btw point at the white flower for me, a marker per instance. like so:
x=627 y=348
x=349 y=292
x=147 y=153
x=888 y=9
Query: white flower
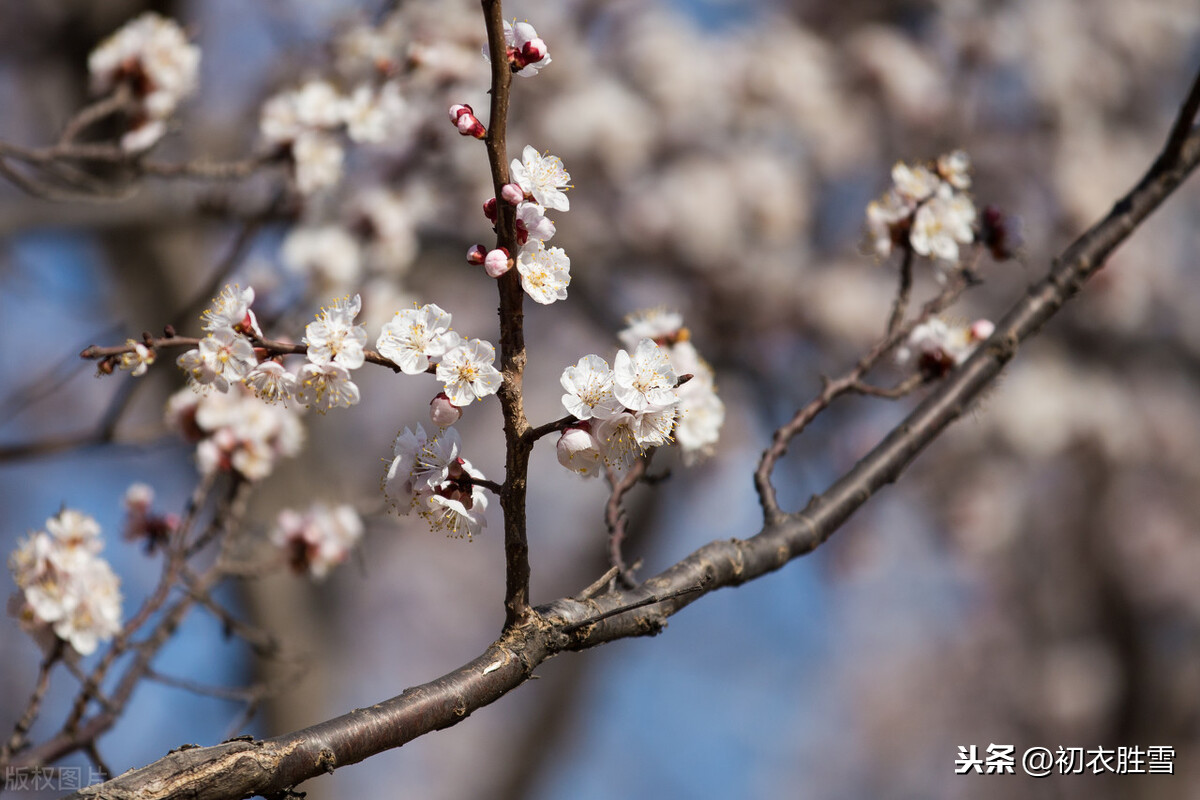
x=64 y=583
x=941 y=224
x=143 y=136
x=399 y=483
x=152 y=55
x=701 y=415
x=468 y=372
x=589 y=387
x=271 y=382
x=653 y=426
x=318 y=105
x=617 y=438
x=225 y=425
x=914 y=184
x=328 y=254
x=279 y=122
x=528 y=53
x=429 y=474
x=138 y=498
x=882 y=216
x=326 y=386
x=223 y=357
x=334 y=338
x=415 y=335
x=532 y=223
x=318 y=158
x=433 y=463
x=651 y=323
x=543 y=177
x=545 y=273
x=373 y=116
x=935 y=347
x=231 y=309
x=955 y=169
x=644 y=379
x=458 y=514
x=318 y=539
x=91 y=609
x=138 y=360
x=389 y=226
x=579 y=452
x=701 y=412
x=75 y=531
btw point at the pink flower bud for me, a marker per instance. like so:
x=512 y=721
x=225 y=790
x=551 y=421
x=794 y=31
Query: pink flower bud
x=497 y=262
x=465 y=120
x=489 y=208
x=512 y=193
x=981 y=329
x=476 y=254
x=443 y=412
x=578 y=451
x=533 y=51
x=468 y=125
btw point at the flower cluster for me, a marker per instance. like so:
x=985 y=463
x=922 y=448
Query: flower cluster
x=227 y=355
x=66 y=586
x=661 y=391
x=376 y=238
x=701 y=411
x=235 y=431
x=927 y=209
x=427 y=473
x=150 y=56
x=318 y=539
x=539 y=183
x=304 y=122
x=935 y=347
x=417 y=339
x=335 y=346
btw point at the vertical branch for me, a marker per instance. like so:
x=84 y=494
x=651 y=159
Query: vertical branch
x=900 y=304
x=512 y=335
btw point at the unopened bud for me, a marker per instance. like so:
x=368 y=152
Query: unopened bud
x=476 y=254
x=578 y=451
x=533 y=51
x=512 y=193
x=980 y=330
x=465 y=120
x=497 y=262
x=443 y=412
x=1001 y=233
x=469 y=126
x=489 y=209
x=138 y=498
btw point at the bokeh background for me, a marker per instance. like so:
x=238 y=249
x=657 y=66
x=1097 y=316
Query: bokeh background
x=1031 y=581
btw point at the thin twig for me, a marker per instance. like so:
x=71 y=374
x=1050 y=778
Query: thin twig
x=900 y=304
x=17 y=740
x=850 y=382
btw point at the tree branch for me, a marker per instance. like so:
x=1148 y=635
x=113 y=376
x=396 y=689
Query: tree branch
x=242 y=769
x=512 y=334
